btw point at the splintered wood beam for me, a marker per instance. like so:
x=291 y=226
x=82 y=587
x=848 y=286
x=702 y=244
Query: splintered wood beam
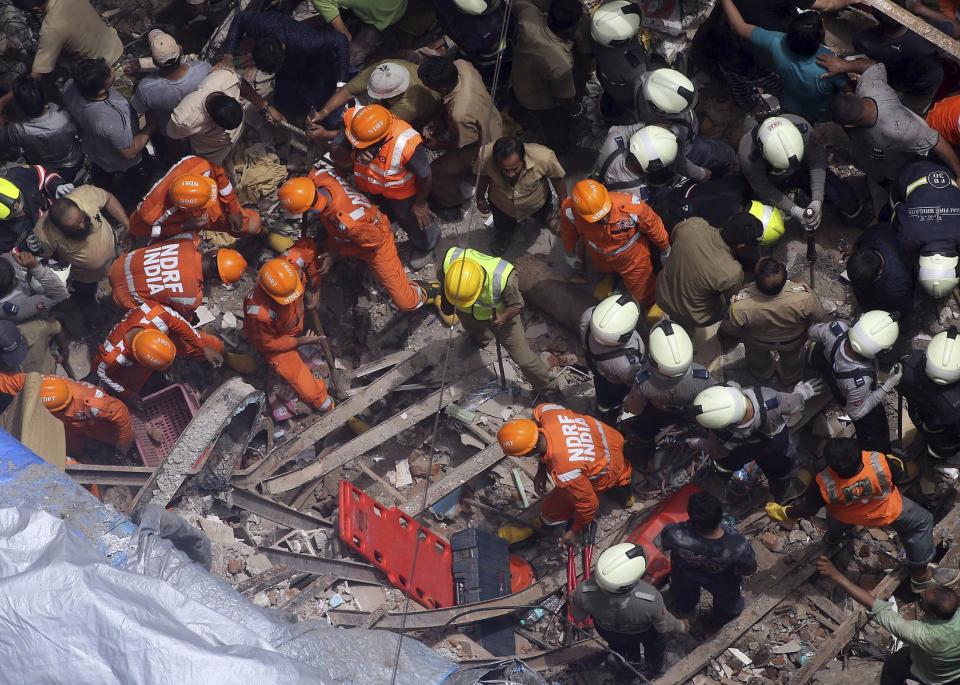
x=471 y=468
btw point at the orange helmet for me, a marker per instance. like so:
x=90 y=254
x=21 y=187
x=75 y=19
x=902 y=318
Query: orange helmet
x=591 y=201
x=281 y=280
x=297 y=195
x=153 y=349
x=369 y=125
x=55 y=393
x=518 y=437
x=193 y=191
x=230 y=265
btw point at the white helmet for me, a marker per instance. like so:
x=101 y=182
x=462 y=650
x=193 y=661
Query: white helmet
x=720 y=406
x=668 y=92
x=615 y=23
x=476 y=7
x=614 y=320
x=780 y=142
x=938 y=274
x=388 y=80
x=654 y=148
x=620 y=567
x=873 y=333
x=943 y=357
x=670 y=349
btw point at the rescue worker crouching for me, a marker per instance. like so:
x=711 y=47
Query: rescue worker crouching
x=931 y=386
x=614 y=352
x=146 y=341
x=627 y=612
x=355 y=227
x=195 y=195
x=172 y=273
x=751 y=425
x=482 y=291
x=666 y=384
x=846 y=356
x=582 y=456
x=615 y=228
x=273 y=322
x=389 y=163
x=858 y=488
x=86 y=413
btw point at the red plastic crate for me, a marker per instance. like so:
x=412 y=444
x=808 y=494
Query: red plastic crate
x=170 y=409
x=647 y=534
x=387 y=538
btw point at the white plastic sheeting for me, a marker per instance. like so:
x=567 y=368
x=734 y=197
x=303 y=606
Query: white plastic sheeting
x=69 y=617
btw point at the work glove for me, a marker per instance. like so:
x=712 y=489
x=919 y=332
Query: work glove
x=812 y=222
x=777 y=512
x=665 y=254
x=573 y=261
x=893 y=380
x=64 y=189
x=808 y=389
x=32 y=243
x=797 y=213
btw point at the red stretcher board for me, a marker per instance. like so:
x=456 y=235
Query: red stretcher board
x=387 y=537
x=647 y=534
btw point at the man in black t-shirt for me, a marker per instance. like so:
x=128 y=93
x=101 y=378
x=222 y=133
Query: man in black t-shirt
x=913 y=66
x=705 y=554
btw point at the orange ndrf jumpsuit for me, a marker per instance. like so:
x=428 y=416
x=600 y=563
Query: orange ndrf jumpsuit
x=584 y=457
x=273 y=328
x=116 y=368
x=167 y=273
x=157 y=218
x=91 y=413
x=357 y=228
x=619 y=242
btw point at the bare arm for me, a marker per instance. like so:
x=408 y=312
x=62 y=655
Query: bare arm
x=140 y=140
x=838 y=65
x=831 y=5
x=338 y=26
x=115 y=210
x=945 y=152
x=826 y=567
x=561 y=189
x=735 y=19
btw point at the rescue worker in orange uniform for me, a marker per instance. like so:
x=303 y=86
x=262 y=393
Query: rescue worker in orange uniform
x=858 y=488
x=146 y=340
x=582 y=456
x=273 y=320
x=85 y=411
x=352 y=226
x=617 y=229
x=195 y=195
x=172 y=273
x=390 y=164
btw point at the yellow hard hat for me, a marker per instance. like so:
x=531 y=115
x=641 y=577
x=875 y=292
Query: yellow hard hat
x=654 y=314
x=772 y=220
x=463 y=282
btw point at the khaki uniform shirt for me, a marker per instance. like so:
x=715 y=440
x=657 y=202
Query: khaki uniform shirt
x=780 y=318
x=416 y=106
x=74 y=27
x=542 y=73
x=90 y=257
x=700 y=269
x=190 y=119
x=531 y=191
x=471 y=114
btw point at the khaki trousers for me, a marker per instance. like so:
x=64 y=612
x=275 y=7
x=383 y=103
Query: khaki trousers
x=511 y=338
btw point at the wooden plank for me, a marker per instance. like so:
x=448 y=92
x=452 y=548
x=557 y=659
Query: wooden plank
x=471 y=468
x=383 y=363
x=384 y=483
x=365 y=442
x=917 y=25
x=327 y=423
